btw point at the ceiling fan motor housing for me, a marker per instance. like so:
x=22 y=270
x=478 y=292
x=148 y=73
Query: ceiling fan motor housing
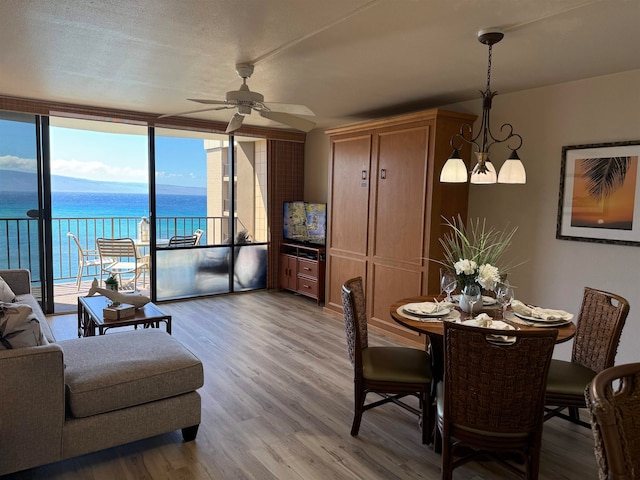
x=244 y=96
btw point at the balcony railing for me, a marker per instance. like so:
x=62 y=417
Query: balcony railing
x=19 y=238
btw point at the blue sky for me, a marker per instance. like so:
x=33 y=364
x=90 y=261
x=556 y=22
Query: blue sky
x=105 y=156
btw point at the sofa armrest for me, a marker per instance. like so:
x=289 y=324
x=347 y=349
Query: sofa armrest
x=19 y=280
x=32 y=407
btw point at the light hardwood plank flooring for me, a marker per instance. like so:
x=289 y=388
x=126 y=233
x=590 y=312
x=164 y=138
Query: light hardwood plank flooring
x=278 y=403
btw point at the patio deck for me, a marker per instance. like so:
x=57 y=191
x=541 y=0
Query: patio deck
x=65 y=295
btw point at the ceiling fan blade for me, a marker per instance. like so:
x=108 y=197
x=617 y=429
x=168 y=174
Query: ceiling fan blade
x=291 y=120
x=289 y=108
x=208 y=102
x=234 y=123
x=194 y=111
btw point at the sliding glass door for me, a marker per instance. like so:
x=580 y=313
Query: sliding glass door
x=21 y=205
x=217 y=193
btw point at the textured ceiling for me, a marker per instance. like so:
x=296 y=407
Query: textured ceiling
x=345 y=59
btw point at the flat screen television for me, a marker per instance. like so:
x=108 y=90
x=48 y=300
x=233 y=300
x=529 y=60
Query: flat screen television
x=305 y=222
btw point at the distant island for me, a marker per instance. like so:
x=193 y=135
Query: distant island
x=14 y=181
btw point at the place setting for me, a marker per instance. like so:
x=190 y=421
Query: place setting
x=429 y=311
x=535 y=316
x=485 y=321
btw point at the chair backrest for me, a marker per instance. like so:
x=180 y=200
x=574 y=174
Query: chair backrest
x=183 y=241
x=355 y=320
x=117 y=248
x=614 y=401
x=75 y=239
x=198 y=233
x=600 y=321
x=493 y=387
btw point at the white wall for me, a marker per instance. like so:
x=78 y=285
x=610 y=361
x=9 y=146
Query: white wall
x=598 y=110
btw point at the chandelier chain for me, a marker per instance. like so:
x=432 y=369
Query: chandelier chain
x=489 y=69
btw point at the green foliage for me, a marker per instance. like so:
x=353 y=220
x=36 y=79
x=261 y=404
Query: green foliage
x=477 y=242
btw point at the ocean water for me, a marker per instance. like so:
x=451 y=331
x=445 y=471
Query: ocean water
x=88 y=216
x=103 y=205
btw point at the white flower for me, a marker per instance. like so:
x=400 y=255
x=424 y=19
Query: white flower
x=466 y=267
x=488 y=276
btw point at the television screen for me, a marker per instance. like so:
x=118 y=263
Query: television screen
x=316 y=222
x=305 y=222
x=295 y=222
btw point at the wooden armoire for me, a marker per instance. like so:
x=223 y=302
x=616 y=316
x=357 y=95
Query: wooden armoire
x=385 y=210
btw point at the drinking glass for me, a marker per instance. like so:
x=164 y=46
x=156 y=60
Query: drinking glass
x=472 y=295
x=504 y=296
x=448 y=283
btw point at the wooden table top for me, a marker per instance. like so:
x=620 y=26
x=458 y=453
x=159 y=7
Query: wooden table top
x=435 y=329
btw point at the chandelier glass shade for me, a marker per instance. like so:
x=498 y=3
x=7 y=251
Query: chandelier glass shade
x=484 y=172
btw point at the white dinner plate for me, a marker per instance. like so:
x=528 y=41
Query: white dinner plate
x=416 y=310
x=541 y=322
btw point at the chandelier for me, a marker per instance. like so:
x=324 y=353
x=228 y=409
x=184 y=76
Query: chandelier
x=512 y=171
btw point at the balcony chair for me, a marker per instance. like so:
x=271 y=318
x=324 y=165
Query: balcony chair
x=599 y=325
x=391 y=372
x=183 y=241
x=125 y=260
x=198 y=233
x=87 y=259
x=613 y=399
x=491 y=401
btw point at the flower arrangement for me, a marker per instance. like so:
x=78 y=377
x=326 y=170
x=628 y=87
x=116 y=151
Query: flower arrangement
x=474 y=252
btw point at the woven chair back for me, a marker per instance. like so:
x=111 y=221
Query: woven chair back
x=355 y=319
x=600 y=321
x=493 y=387
x=613 y=399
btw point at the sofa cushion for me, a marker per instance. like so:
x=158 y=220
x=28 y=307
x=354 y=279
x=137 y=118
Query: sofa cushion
x=19 y=327
x=6 y=294
x=120 y=370
x=28 y=299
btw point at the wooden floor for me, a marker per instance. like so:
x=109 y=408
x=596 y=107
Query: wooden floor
x=277 y=404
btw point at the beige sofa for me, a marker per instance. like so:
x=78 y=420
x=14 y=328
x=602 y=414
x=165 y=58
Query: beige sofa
x=77 y=396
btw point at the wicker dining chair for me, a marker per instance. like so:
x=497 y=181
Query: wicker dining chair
x=613 y=398
x=391 y=372
x=491 y=402
x=599 y=325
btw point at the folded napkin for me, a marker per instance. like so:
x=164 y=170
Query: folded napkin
x=426 y=308
x=538 y=312
x=483 y=320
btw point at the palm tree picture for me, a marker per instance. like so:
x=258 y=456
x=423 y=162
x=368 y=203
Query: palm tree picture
x=604 y=192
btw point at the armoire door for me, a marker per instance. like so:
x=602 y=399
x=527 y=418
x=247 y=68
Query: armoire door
x=397 y=240
x=349 y=214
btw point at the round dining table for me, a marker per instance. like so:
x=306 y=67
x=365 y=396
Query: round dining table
x=435 y=330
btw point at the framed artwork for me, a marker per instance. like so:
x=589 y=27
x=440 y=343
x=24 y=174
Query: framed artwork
x=599 y=199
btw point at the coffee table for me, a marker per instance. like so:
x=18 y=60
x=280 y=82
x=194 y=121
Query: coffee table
x=90 y=317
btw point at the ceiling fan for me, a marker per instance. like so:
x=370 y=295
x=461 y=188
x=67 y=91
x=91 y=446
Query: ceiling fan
x=244 y=101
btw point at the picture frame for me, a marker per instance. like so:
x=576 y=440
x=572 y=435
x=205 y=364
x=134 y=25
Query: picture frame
x=599 y=199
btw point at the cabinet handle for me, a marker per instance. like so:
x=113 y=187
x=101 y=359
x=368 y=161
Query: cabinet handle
x=383 y=173
x=306 y=286
x=364 y=175
x=307 y=269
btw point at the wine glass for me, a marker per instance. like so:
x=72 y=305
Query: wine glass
x=472 y=295
x=448 y=283
x=504 y=296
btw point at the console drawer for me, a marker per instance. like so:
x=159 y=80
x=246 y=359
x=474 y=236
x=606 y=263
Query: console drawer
x=308 y=286
x=307 y=268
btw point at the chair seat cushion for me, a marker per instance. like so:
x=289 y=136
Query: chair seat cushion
x=120 y=370
x=396 y=364
x=568 y=379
